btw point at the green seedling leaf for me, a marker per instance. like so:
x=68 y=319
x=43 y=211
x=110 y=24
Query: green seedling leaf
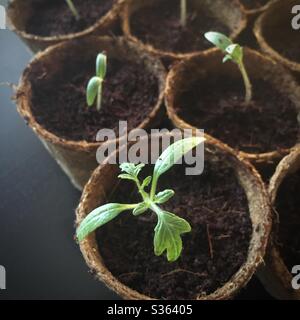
x=218 y=39
x=164 y=196
x=101 y=65
x=126 y=176
x=92 y=90
x=140 y=209
x=168 y=233
x=146 y=182
x=235 y=52
x=174 y=153
x=100 y=217
x=132 y=169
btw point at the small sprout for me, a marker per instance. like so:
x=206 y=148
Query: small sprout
x=94 y=87
x=235 y=53
x=169 y=228
x=183 y=12
x=73 y=9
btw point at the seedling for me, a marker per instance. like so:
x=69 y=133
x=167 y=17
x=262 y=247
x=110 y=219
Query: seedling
x=235 y=53
x=73 y=9
x=169 y=227
x=183 y=12
x=94 y=87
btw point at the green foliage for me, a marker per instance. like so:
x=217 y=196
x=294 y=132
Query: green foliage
x=94 y=87
x=233 y=52
x=169 y=227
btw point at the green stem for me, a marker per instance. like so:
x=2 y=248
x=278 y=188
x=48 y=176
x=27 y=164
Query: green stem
x=248 y=86
x=153 y=188
x=183 y=12
x=143 y=193
x=73 y=9
x=99 y=97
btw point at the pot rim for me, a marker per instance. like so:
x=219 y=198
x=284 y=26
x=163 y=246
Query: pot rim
x=263 y=43
x=182 y=124
x=24 y=103
x=59 y=38
x=125 y=23
x=275 y=260
x=91 y=254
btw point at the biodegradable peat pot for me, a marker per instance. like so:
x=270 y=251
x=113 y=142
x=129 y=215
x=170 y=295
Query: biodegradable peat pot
x=205 y=93
x=42 y=23
x=284 y=252
x=276 y=36
x=51 y=98
x=155 y=24
x=254 y=7
x=230 y=216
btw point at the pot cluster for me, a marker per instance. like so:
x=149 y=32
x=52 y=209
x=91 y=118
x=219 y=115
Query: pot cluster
x=240 y=226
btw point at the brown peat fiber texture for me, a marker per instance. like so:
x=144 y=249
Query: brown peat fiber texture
x=52 y=18
x=269 y=123
x=254 y=4
x=129 y=93
x=287 y=205
x=215 y=206
x=159 y=25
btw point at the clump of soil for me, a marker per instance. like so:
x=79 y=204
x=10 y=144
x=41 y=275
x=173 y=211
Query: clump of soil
x=159 y=25
x=216 y=207
x=217 y=105
x=287 y=205
x=129 y=93
x=52 y=18
x=254 y=4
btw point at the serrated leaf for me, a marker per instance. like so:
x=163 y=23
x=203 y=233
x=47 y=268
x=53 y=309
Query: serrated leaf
x=131 y=168
x=168 y=233
x=146 y=182
x=101 y=65
x=92 y=90
x=98 y=218
x=140 y=209
x=164 y=196
x=218 y=39
x=174 y=153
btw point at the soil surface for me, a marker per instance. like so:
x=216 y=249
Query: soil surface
x=216 y=207
x=287 y=205
x=254 y=4
x=159 y=25
x=129 y=94
x=217 y=106
x=54 y=17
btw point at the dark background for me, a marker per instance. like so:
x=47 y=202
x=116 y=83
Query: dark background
x=37 y=204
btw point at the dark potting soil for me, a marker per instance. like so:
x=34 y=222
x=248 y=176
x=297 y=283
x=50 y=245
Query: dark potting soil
x=52 y=18
x=159 y=25
x=217 y=106
x=254 y=4
x=216 y=207
x=129 y=94
x=287 y=205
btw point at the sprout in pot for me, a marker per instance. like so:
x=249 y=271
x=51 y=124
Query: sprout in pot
x=170 y=227
x=180 y=32
x=94 y=88
x=41 y=24
x=203 y=92
x=234 y=52
x=214 y=237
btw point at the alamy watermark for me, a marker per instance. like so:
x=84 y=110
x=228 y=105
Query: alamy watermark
x=296 y=18
x=139 y=146
x=2 y=17
x=296 y=278
x=2 y=278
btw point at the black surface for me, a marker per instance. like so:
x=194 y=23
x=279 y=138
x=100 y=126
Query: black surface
x=37 y=205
